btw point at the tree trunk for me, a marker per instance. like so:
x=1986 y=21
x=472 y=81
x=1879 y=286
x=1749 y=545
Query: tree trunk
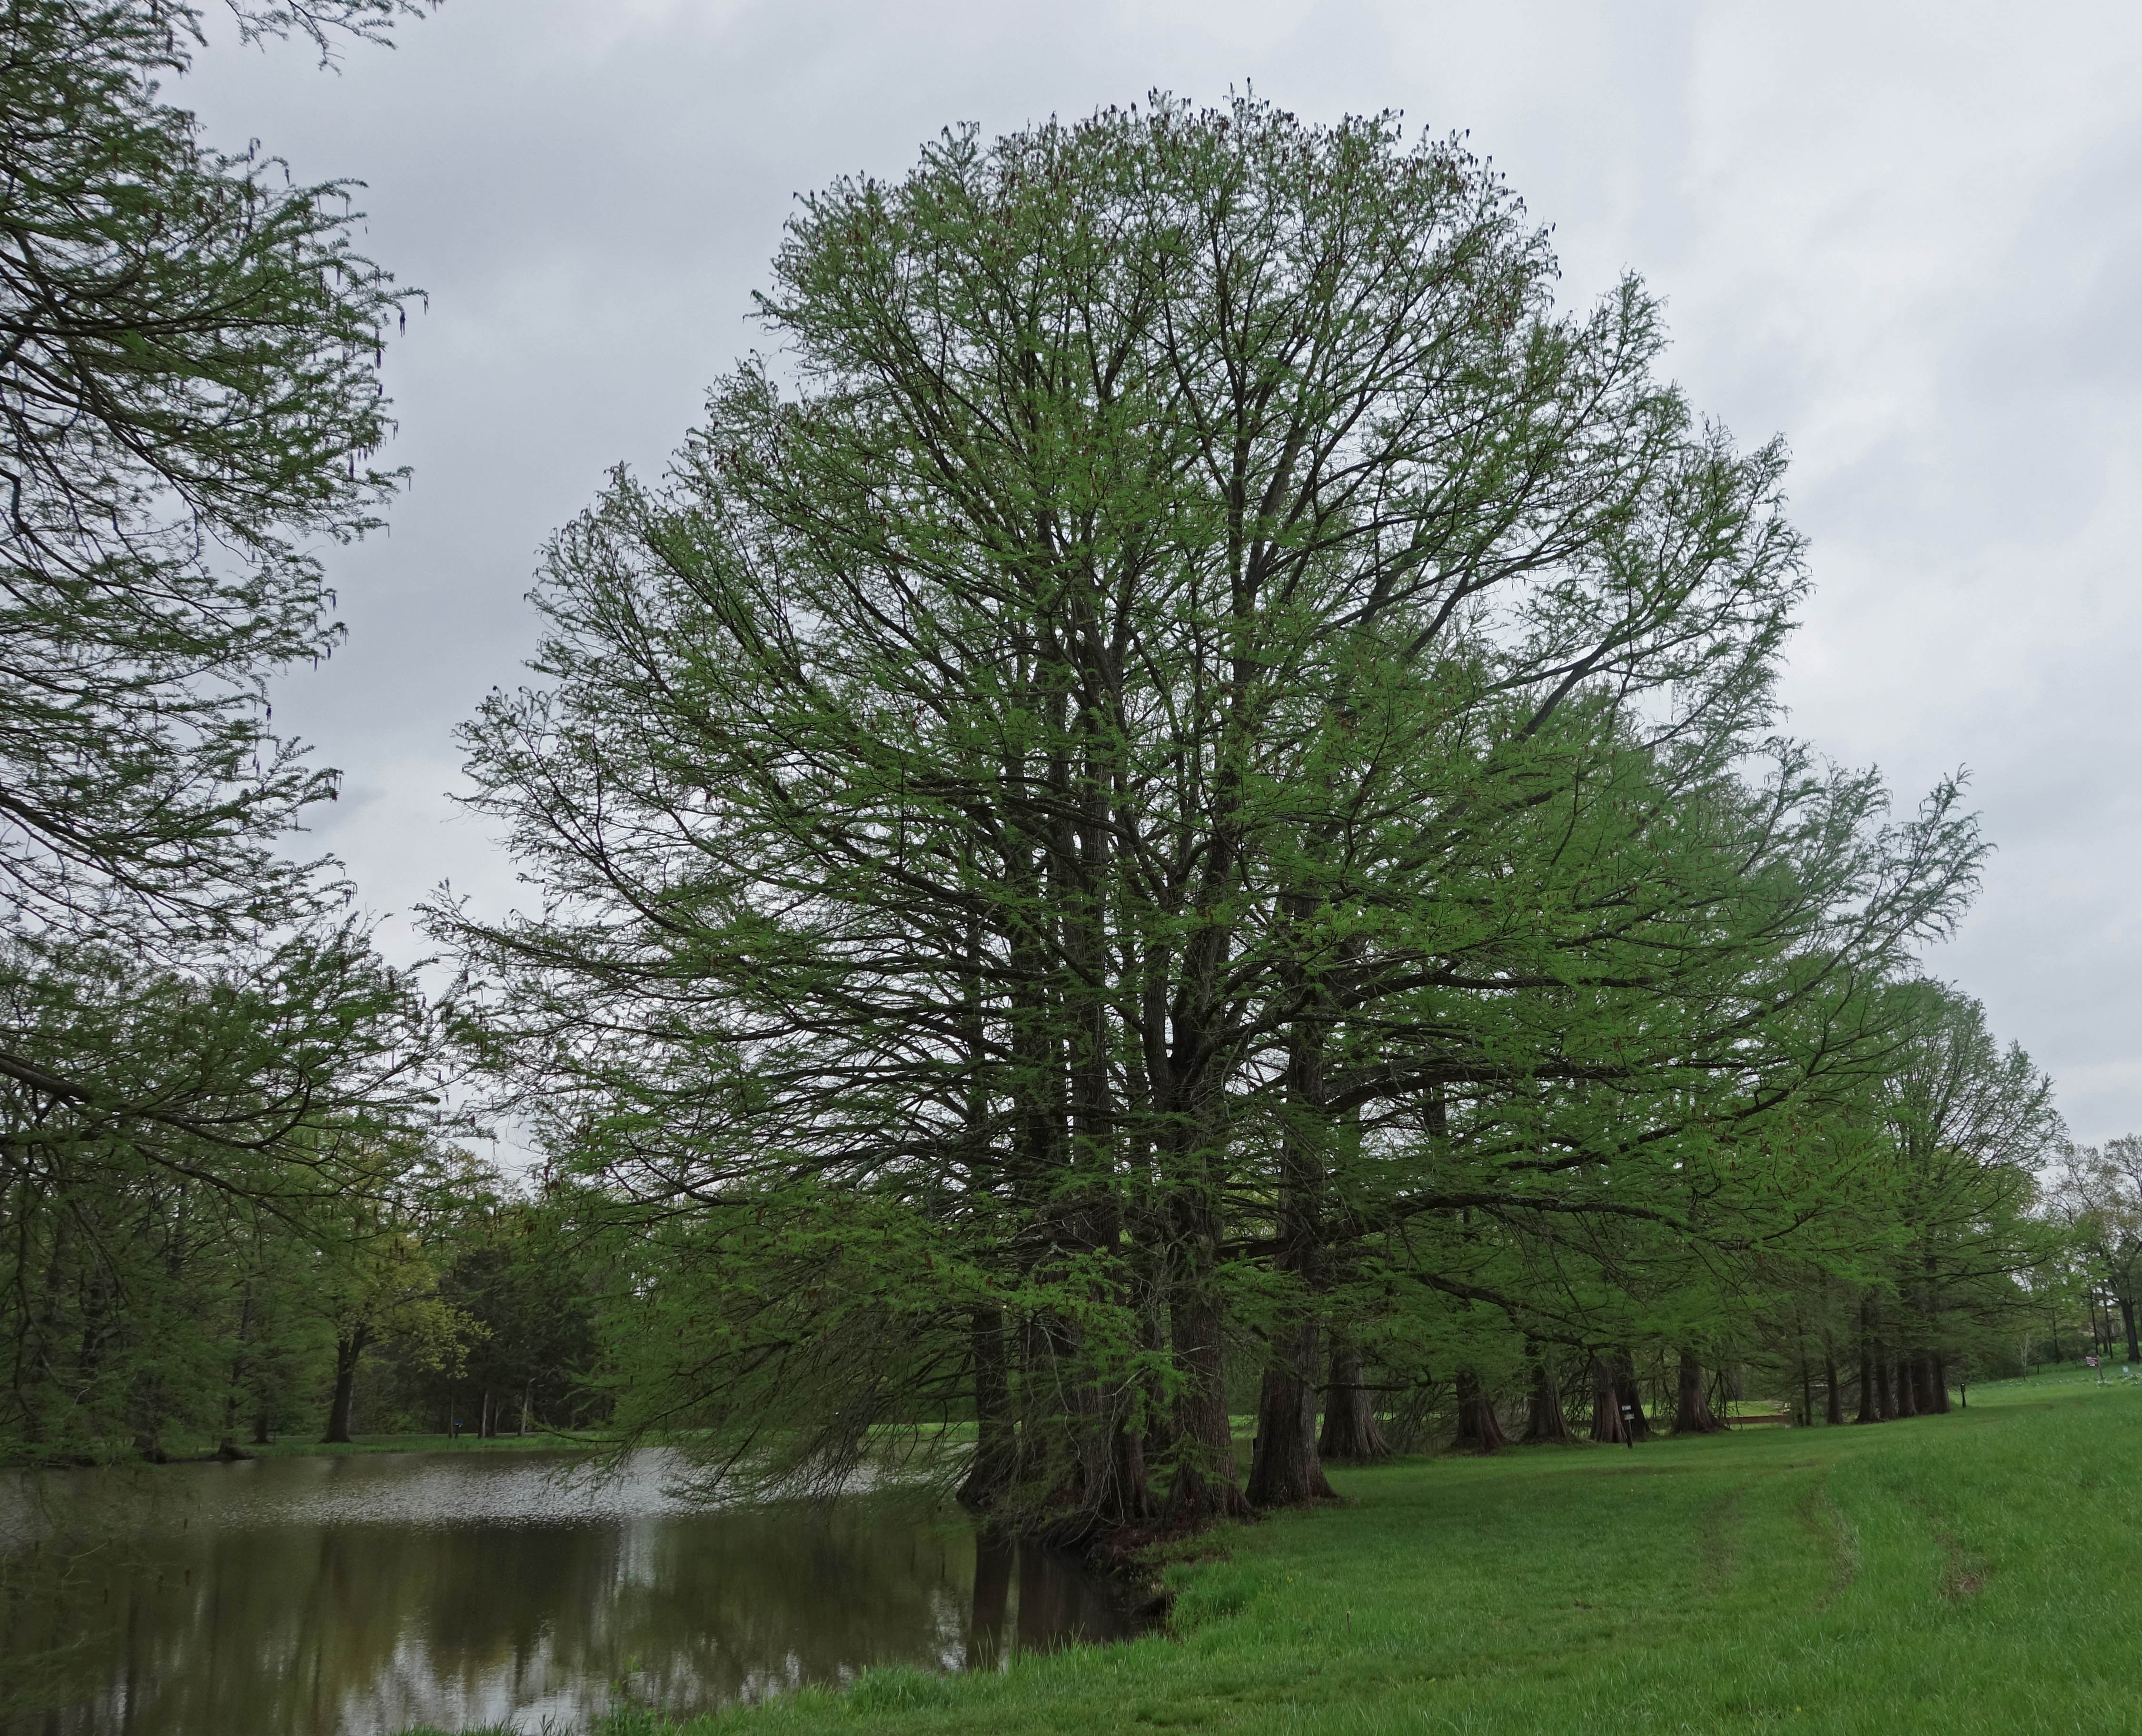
x=261 y=1435
x=1883 y=1402
x=1692 y=1411
x=990 y=1471
x=349 y=1351
x=1906 y=1405
x=1938 y=1378
x=1204 y=1488
x=1285 y=1470
x=1832 y=1402
x=2127 y=1319
x=1350 y=1433
x=1870 y=1409
x=1479 y=1430
x=1608 y=1424
x=1544 y=1420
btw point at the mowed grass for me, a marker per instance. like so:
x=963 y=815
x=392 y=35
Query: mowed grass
x=1977 y=1571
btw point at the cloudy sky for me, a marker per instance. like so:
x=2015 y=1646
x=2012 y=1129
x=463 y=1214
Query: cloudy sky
x=1909 y=238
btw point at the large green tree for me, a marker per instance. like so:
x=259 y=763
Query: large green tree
x=1198 y=750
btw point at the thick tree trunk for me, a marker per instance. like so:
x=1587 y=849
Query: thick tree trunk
x=1544 y=1420
x=1112 y=1490
x=1882 y=1401
x=348 y=1352
x=1907 y=1405
x=1285 y=1470
x=2127 y=1319
x=1692 y=1411
x=1938 y=1379
x=1204 y=1488
x=1479 y=1430
x=990 y=1472
x=1832 y=1402
x=1608 y=1423
x=1350 y=1433
x=260 y=1434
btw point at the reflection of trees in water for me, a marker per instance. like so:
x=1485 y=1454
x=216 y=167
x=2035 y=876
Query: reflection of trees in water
x=218 y=1620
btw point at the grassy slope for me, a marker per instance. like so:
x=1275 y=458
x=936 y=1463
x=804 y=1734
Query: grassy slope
x=1976 y=1571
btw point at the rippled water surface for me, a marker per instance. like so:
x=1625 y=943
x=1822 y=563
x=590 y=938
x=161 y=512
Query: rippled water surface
x=355 y=1595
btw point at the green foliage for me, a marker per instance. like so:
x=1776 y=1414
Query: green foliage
x=1211 y=770
x=192 y=1044
x=191 y=394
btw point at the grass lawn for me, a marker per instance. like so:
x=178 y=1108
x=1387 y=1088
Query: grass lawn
x=1977 y=1571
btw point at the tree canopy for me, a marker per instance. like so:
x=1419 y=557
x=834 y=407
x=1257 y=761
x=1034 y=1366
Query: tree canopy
x=1187 y=766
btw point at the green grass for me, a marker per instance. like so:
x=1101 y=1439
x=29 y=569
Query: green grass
x=1977 y=1571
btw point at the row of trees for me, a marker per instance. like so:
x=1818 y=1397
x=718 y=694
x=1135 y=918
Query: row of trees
x=1185 y=780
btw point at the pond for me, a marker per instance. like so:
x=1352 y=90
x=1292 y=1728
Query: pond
x=356 y=1595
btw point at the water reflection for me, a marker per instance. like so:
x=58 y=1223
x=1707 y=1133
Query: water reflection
x=354 y=1596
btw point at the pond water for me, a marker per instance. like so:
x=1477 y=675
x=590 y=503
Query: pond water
x=355 y=1595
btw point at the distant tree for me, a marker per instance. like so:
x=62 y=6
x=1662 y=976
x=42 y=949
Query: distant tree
x=376 y=1277
x=528 y=1273
x=2097 y=1194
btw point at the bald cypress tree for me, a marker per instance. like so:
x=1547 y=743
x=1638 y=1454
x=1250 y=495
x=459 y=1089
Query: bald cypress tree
x=1179 y=765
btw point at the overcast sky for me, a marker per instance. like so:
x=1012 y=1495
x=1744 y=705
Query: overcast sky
x=1908 y=238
